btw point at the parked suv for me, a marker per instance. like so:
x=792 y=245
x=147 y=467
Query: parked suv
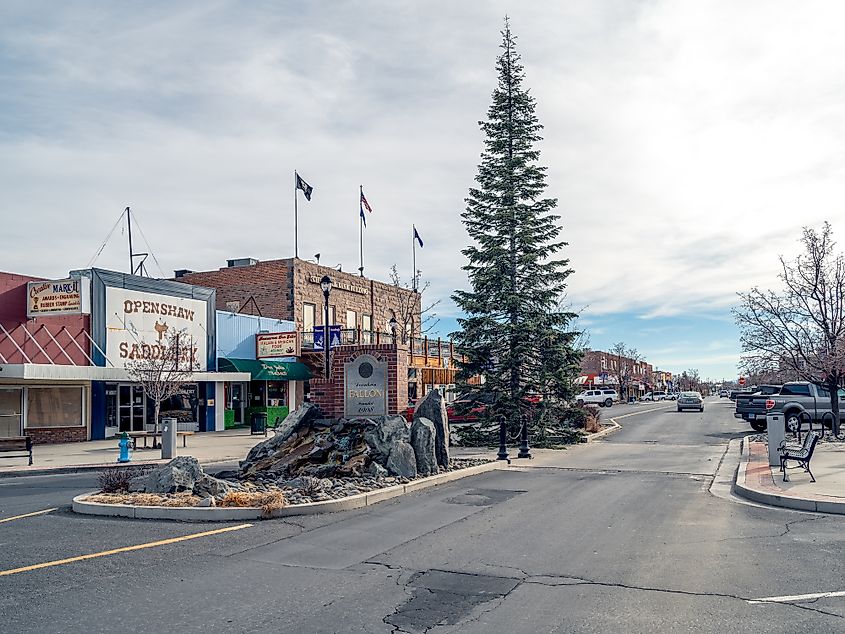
x=654 y=396
x=602 y=398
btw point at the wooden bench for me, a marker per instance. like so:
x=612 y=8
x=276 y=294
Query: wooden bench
x=19 y=444
x=135 y=435
x=802 y=455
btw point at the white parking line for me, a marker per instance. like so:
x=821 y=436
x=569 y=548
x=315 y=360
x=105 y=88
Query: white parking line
x=645 y=411
x=798 y=597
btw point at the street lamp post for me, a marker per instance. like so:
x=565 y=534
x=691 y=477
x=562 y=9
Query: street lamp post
x=326 y=285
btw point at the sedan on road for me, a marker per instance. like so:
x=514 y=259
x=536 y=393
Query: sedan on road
x=690 y=400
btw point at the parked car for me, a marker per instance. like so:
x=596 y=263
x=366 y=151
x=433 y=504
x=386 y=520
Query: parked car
x=671 y=396
x=602 y=398
x=654 y=396
x=752 y=407
x=690 y=400
x=801 y=397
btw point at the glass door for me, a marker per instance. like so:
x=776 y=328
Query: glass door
x=10 y=412
x=238 y=402
x=130 y=408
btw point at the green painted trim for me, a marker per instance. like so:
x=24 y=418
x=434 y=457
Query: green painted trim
x=280 y=412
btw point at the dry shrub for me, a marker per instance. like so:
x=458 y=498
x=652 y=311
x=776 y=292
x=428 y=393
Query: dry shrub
x=145 y=499
x=592 y=425
x=268 y=502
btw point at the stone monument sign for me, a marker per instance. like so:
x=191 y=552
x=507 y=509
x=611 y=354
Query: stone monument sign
x=365 y=387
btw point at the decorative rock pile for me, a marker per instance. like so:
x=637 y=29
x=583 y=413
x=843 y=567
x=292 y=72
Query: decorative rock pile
x=312 y=459
x=308 y=445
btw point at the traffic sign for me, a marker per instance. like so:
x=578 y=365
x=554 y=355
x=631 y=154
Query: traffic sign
x=742 y=380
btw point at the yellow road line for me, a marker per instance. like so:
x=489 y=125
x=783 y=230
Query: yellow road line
x=125 y=549
x=20 y=517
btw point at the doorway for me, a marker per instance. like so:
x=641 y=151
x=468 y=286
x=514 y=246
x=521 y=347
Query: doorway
x=11 y=412
x=238 y=402
x=131 y=408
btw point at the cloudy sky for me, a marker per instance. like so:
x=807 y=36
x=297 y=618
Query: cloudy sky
x=687 y=142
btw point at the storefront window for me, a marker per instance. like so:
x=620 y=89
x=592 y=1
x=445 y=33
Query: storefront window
x=182 y=406
x=54 y=407
x=276 y=393
x=10 y=411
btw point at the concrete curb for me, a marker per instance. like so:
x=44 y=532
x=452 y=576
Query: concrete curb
x=605 y=432
x=218 y=514
x=743 y=489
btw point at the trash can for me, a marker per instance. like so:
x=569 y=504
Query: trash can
x=258 y=423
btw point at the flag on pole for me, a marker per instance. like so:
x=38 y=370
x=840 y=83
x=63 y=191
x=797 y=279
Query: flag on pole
x=364 y=204
x=305 y=187
x=417 y=237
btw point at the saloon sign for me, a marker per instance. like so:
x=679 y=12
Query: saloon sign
x=57 y=297
x=276 y=344
x=138 y=325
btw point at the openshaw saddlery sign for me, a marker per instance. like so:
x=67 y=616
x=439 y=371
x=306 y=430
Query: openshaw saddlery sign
x=277 y=344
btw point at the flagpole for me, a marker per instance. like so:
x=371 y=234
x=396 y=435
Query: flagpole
x=414 y=249
x=295 y=219
x=361 y=227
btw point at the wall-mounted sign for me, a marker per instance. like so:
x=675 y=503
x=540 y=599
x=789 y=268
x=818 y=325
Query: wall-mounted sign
x=58 y=297
x=342 y=285
x=138 y=325
x=276 y=344
x=365 y=387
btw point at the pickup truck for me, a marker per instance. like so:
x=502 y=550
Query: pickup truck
x=752 y=407
x=800 y=396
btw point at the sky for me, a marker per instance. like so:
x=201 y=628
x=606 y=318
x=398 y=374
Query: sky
x=686 y=142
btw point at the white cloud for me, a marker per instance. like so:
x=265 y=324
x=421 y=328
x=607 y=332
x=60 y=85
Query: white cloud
x=687 y=142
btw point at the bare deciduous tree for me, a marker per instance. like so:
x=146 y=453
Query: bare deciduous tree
x=164 y=368
x=413 y=318
x=622 y=366
x=801 y=327
x=690 y=380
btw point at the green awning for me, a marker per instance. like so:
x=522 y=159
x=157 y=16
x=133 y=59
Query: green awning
x=266 y=370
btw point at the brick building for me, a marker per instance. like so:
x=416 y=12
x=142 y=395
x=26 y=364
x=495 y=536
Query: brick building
x=290 y=289
x=600 y=368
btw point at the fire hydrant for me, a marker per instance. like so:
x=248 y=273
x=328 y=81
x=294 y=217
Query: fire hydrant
x=125 y=444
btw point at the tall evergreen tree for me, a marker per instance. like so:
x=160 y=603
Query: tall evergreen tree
x=515 y=334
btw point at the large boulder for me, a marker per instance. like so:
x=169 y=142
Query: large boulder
x=433 y=407
x=401 y=461
x=180 y=474
x=382 y=435
x=209 y=486
x=298 y=419
x=423 y=436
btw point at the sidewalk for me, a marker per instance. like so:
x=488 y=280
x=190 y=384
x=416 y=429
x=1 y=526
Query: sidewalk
x=207 y=447
x=759 y=482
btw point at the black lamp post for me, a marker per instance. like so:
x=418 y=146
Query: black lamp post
x=524 y=449
x=393 y=324
x=326 y=285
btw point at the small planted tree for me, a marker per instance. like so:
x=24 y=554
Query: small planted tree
x=800 y=327
x=164 y=368
x=413 y=318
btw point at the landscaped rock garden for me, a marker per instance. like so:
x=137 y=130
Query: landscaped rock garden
x=309 y=459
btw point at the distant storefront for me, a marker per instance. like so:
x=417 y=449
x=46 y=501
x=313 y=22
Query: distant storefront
x=267 y=350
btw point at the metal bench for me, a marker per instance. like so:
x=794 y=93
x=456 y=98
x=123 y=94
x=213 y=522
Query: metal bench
x=19 y=444
x=802 y=455
x=156 y=436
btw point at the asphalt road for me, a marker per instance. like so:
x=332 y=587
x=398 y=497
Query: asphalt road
x=621 y=535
